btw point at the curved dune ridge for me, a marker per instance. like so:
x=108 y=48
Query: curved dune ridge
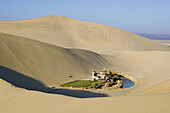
x=163 y=87
x=48 y=63
x=53 y=65
x=6 y=87
x=70 y=33
x=45 y=51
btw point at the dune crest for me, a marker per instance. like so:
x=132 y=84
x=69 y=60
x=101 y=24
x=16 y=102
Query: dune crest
x=70 y=33
x=48 y=63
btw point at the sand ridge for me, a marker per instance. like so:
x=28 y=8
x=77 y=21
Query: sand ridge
x=70 y=33
x=48 y=63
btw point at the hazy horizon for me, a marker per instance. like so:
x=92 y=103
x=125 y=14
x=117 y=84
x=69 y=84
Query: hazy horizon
x=155 y=36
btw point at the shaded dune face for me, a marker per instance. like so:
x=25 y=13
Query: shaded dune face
x=48 y=63
x=22 y=81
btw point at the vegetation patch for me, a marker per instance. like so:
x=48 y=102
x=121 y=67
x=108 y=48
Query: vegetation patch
x=98 y=81
x=84 y=83
x=76 y=83
x=88 y=84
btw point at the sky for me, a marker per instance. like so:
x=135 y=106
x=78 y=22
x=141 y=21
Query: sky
x=137 y=16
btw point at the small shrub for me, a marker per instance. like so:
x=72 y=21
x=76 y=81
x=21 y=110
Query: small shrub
x=93 y=85
x=116 y=77
x=107 y=84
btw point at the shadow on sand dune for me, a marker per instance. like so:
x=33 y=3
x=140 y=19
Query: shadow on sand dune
x=22 y=81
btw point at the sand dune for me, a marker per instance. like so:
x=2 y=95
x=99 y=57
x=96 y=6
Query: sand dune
x=37 y=102
x=70 y=33
x=138 y=64
x=45 y=51
x=53 y=65
x=48 y=63
x=6 y=88
x=148 y=68
x=163 y=87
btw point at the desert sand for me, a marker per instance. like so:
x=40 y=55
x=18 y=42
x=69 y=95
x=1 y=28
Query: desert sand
x=41 y=52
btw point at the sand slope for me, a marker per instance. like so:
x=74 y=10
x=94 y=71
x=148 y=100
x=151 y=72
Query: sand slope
x=47 y=63
x=36 y=102
x=163 y=87
x=66 y=32
x=148 y=68
x=26 y=60
x=53 y=65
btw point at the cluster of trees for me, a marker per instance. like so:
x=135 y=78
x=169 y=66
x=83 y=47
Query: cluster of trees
x=110 y=80
x=97 y=84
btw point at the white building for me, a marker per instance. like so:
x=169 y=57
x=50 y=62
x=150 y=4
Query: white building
x=98 y=76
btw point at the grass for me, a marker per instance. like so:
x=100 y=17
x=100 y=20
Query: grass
x=69 y=84
x=88 y=84
x=79 y=83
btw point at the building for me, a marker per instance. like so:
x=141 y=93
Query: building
x=99 y=76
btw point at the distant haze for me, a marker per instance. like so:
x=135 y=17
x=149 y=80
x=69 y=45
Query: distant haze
x=155 y=36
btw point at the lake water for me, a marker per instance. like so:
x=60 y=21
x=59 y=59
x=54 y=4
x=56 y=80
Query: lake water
x=126 y=82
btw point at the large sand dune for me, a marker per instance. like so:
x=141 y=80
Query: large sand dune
x=66 y=32
x=48 y=63
x=47 y=50
x=52 y=64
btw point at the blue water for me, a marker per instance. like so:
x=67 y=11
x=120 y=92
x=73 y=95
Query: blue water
x=126 y=82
